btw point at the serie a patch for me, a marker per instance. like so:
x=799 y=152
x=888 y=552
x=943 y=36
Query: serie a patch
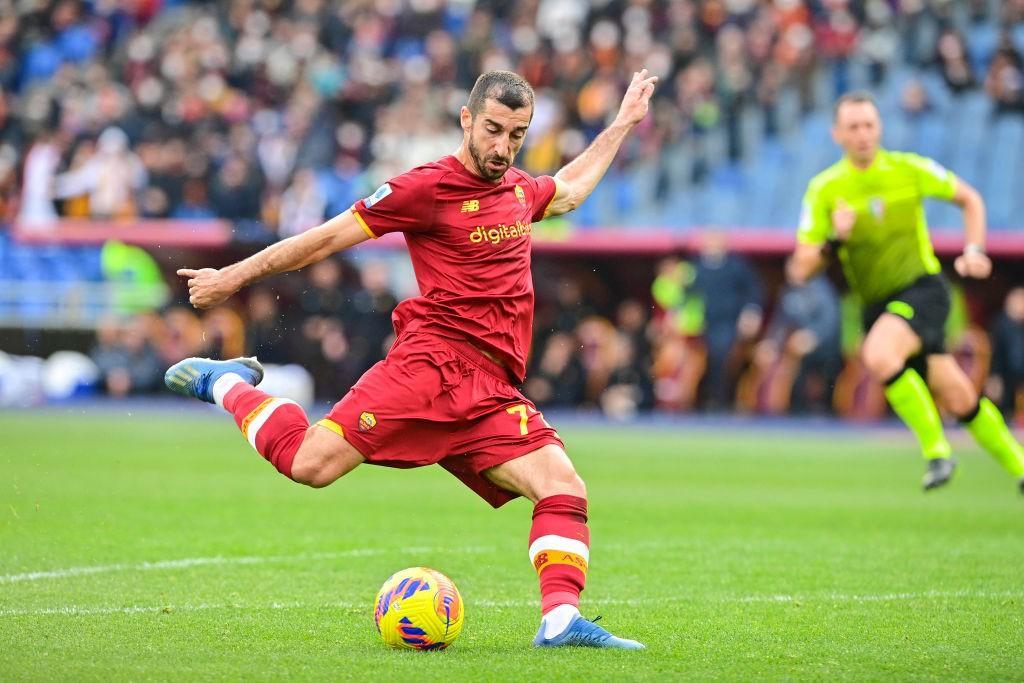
x=382 y=192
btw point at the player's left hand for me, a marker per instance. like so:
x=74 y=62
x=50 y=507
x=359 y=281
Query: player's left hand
x=634 y=103
x=974 y=264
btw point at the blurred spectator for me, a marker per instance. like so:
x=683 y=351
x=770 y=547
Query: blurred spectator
x=1005 y=79
x=632 y=319
x=223 y=333
x=267 y=333
x=134 y=277
x=368 y=315
x=235 y=193
x=324 y=295
x=180 y=335
x=731 y=292
x=558 y=378
x=194 y=204
x=302 y=204
x=110 y=177
x=127 y=362
x=629 y=389
x=672 y=290
x=914 y=100
x=951 y=54
x=804 y=334
x=1007 y=374
x=41 y=165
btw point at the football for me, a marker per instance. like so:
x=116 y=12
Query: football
x=419 y=609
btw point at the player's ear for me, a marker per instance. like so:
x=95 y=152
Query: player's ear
x=466 y=118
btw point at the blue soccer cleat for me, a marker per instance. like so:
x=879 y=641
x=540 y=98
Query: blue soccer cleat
x=194 y=377
x=583 y=633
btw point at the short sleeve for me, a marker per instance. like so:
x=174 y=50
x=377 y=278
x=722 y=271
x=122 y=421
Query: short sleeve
x=403 y=204
x=933 y=179
x=815 y=225
x=543 y=193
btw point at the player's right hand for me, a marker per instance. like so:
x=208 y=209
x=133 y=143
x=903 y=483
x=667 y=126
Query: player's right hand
x=207 y=287
x=843 y=218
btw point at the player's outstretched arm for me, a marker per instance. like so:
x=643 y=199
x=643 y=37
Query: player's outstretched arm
x=973 y=262
x=208 y=287
x=578 y=178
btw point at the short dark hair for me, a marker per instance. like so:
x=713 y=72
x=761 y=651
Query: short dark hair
x=855 y=97
x=507 y=87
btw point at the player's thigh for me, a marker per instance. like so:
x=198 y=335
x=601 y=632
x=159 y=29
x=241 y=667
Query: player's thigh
x=547 y=471
x=888 y=344
x=951 y=385
x=324 y=457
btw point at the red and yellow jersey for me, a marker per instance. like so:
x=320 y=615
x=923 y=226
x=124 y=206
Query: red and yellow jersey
x=469 y=241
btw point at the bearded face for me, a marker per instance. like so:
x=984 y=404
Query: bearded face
x=494 y=136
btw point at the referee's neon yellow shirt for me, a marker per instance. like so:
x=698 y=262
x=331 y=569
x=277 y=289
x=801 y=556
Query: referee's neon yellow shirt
x=889 y=247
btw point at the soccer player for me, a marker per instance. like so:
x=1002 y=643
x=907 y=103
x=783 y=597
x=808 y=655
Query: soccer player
x=446 y=392
x=869 y=207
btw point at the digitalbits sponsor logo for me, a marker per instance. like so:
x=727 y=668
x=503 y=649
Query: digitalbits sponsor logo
x=496 y=234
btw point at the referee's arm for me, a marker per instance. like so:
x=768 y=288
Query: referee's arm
x=812 y=237
x=806 y=261
x=973 y=262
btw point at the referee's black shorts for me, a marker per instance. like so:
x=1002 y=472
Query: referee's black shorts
x=924 y=305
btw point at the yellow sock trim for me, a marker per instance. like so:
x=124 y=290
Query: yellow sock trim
x=547 y=558
x=253 y=415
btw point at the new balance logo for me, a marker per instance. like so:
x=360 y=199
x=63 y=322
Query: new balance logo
x=471 y=206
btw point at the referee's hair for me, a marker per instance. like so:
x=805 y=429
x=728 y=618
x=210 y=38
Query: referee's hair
x=509 y=88
x=854 y=97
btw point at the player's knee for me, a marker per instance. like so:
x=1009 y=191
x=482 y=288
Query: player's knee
x=311 y=473
x=564 y=482
x=881 y=362
x=961 y=400
x=312 y=465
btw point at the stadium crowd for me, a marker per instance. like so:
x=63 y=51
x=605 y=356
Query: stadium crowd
x=277 y=113
x=705 y=338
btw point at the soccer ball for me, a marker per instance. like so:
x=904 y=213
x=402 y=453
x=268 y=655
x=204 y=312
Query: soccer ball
x=418 y=609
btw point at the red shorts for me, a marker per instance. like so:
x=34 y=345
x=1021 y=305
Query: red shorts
x=435 y=400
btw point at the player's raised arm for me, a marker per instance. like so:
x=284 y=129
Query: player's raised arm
x=208 y=287
x=973 y=262
x=578 y=178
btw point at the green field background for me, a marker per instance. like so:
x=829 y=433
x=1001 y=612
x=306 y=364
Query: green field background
x=158 y=546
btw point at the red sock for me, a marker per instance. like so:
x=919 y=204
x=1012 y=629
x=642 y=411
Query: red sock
x=560 y=549
x=274 y=426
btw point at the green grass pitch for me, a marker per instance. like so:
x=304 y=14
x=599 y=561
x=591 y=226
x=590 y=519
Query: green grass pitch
x=157 y=546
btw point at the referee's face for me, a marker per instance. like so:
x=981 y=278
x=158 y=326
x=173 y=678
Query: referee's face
x=858 y=130
x=494 y=136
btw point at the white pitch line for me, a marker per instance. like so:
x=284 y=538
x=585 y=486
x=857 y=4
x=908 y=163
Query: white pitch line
x=75 y=610
x=187 y=562
x=885 y=597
